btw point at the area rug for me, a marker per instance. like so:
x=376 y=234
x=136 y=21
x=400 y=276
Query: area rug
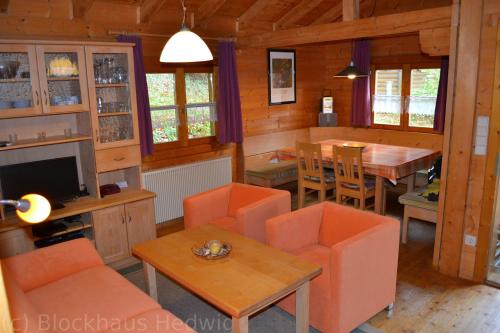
x=204 y=318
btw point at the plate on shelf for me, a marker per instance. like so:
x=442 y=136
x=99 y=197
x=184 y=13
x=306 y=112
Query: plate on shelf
x=212 y=250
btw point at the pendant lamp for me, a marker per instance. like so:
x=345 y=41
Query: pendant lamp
x=351 y=72
x=185 y=45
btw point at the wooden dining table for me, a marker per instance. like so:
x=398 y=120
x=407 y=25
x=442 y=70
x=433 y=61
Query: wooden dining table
x=390 y=162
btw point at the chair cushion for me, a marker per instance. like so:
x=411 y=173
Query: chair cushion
x=417 y=200
x=151 y=322
x=329 y=177
x=228 y=223
x=91 y=300
x=320 y=289
x=369 y=184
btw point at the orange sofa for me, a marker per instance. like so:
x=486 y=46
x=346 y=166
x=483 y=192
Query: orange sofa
x=67 y=288
x=237 y=207
x=358 y=252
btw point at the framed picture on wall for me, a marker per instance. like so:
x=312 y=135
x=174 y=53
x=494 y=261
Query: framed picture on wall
x=281 y=76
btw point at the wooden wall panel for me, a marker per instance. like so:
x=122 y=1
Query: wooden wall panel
x=258 y=116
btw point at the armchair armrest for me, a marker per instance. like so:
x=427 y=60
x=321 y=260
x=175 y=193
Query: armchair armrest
x=251 y=219
x=205 y=207
x=295 y=230
x=365 y=264
x=37 y=268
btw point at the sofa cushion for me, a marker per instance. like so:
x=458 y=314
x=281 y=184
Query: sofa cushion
x=319 y=288
x=90 y=300
x=243 y=195
x=36 y=268
x=25 y=318
x=228 y=223
x=151 y=322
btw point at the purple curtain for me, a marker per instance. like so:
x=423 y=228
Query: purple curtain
x=361 y=113
x=230 y=128
x=141 y=87
x=440 y=110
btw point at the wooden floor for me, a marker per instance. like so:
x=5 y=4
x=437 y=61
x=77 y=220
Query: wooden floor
x=427 y=301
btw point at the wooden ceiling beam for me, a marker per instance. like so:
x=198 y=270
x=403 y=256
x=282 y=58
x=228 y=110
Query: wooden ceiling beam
x=206 y=10
x=387 y=25
x=350 y=10
x=81 y=7
x=296 y=13
x=253 y=11
x=147 y=9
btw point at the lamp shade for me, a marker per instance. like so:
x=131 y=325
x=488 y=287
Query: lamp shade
x=37 y=209
x=185 y=46
x=351 y=72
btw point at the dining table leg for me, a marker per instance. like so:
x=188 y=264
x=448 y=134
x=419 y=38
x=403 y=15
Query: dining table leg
x=379 y=195
x=302 y=308
x=410 y=183
x=150 y=277
x=240 y=325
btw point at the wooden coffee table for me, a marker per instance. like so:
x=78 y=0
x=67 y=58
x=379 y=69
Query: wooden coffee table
x=252 y=277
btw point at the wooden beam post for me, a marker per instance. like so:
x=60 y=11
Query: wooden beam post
x=459 y=131
x=4 y=6
x=148 y=9
x=296 y=13
x=206 y=10
x=81 y=7
x=350 y=10
x=387 y=25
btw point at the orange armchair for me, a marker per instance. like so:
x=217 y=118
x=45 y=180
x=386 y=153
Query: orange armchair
x=237 y=207
x=358 y=252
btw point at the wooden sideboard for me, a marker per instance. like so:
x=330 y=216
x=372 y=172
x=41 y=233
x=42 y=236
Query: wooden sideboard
x=77 y=99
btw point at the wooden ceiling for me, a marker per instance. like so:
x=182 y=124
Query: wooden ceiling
x=210 y=18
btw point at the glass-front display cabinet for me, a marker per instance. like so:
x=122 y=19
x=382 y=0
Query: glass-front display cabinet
x=19 y=84
x=112 y=95
x=63 y=78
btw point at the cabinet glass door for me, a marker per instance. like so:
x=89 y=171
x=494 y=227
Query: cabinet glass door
x=63 y=78
x=112 y=94
x=19 y=90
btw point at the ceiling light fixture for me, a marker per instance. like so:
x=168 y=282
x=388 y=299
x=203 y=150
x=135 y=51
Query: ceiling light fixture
x=351 y=72
x=185 y=45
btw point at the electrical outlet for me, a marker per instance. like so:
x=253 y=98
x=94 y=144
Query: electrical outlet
x=470 y=240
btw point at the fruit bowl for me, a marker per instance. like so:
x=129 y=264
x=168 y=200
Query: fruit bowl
x=212 y=249
x=8 y=69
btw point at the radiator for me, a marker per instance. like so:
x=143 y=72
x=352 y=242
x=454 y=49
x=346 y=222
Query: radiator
x=172 y=185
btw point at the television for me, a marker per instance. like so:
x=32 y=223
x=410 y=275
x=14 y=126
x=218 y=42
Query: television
x=56 y=179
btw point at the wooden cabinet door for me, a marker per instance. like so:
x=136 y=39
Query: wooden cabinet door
x=112 y=95
x=63 y=78
x=15 y=242
x=140 y=221
x=19 y=87
x=110 y=233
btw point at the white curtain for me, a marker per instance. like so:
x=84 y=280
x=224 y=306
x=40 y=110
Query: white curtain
x=386 y=104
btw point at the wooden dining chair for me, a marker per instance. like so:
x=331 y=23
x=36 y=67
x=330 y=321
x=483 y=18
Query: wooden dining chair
x=350 y=178
x=311 y=174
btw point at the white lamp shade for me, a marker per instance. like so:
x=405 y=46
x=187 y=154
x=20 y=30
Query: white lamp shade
x=185 y=46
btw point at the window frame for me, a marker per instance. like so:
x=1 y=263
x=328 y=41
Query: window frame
x=405 y=92
x=180 y=95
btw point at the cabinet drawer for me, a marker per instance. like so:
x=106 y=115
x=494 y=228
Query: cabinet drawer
x=118 y=158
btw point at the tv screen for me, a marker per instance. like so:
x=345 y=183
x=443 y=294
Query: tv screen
x=56 y=179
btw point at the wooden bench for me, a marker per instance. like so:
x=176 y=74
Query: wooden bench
x=418 y=207
x=264 y=166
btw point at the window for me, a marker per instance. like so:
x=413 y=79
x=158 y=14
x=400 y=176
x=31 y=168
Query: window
x=188 y=116
x=200 y=109
x=164 y=111
x=405 y=97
